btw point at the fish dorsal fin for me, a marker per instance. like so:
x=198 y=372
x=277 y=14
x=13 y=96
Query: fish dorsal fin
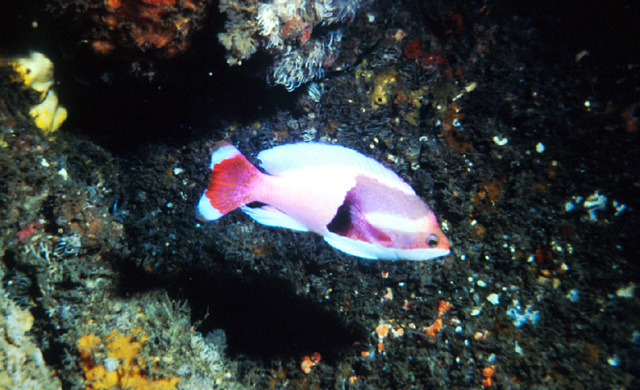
x=292 y=157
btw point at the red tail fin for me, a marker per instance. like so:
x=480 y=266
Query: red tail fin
x=229 y=184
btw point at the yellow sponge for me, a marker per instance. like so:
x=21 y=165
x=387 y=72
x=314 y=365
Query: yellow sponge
x=36 y=72
x=48 y=115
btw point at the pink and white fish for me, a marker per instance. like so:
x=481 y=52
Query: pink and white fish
x=358 y=205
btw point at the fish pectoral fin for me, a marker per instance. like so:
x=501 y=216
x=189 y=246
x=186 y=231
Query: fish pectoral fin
x=270 y=216
x=353 y=247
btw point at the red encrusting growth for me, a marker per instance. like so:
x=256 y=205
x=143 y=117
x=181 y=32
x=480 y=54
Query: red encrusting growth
x=434 y=328
x=28 y=230
x=230 y=183
x=413 y=51
x=142 y=25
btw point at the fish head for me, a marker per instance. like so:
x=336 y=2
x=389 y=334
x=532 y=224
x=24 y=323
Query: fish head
x=387 y=222
x=428 y=240
x=410 y=238
x=427 y=235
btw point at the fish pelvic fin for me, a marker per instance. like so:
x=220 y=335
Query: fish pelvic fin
x=230 y=183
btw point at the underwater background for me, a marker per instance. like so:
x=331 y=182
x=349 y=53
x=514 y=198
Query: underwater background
x=517 y=121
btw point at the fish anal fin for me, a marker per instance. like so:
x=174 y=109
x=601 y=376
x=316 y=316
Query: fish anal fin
x=270 y=216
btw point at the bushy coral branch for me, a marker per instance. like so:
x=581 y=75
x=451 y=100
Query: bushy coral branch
x=284 y=28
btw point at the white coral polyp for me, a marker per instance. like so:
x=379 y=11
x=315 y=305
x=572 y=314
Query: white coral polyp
x=275 y=42
x=268 y=20
x=287 y=9
x=334 y=11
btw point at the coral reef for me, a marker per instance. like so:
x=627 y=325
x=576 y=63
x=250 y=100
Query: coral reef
x=58 y=229
x=121 y=367
x=21 y=363
x=490 y=110
x=147 y=343
x=284 y=29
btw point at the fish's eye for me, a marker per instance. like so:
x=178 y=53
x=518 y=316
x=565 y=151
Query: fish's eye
x=433 y=241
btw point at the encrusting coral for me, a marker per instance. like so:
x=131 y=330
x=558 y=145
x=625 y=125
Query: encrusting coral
x=147 y=343
x=123 y=367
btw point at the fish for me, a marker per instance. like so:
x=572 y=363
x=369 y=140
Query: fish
x=355 y=203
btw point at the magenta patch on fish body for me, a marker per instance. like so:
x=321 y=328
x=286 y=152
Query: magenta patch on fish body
x=350 y=223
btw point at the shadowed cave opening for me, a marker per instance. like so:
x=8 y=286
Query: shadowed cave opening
x=261 y=315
